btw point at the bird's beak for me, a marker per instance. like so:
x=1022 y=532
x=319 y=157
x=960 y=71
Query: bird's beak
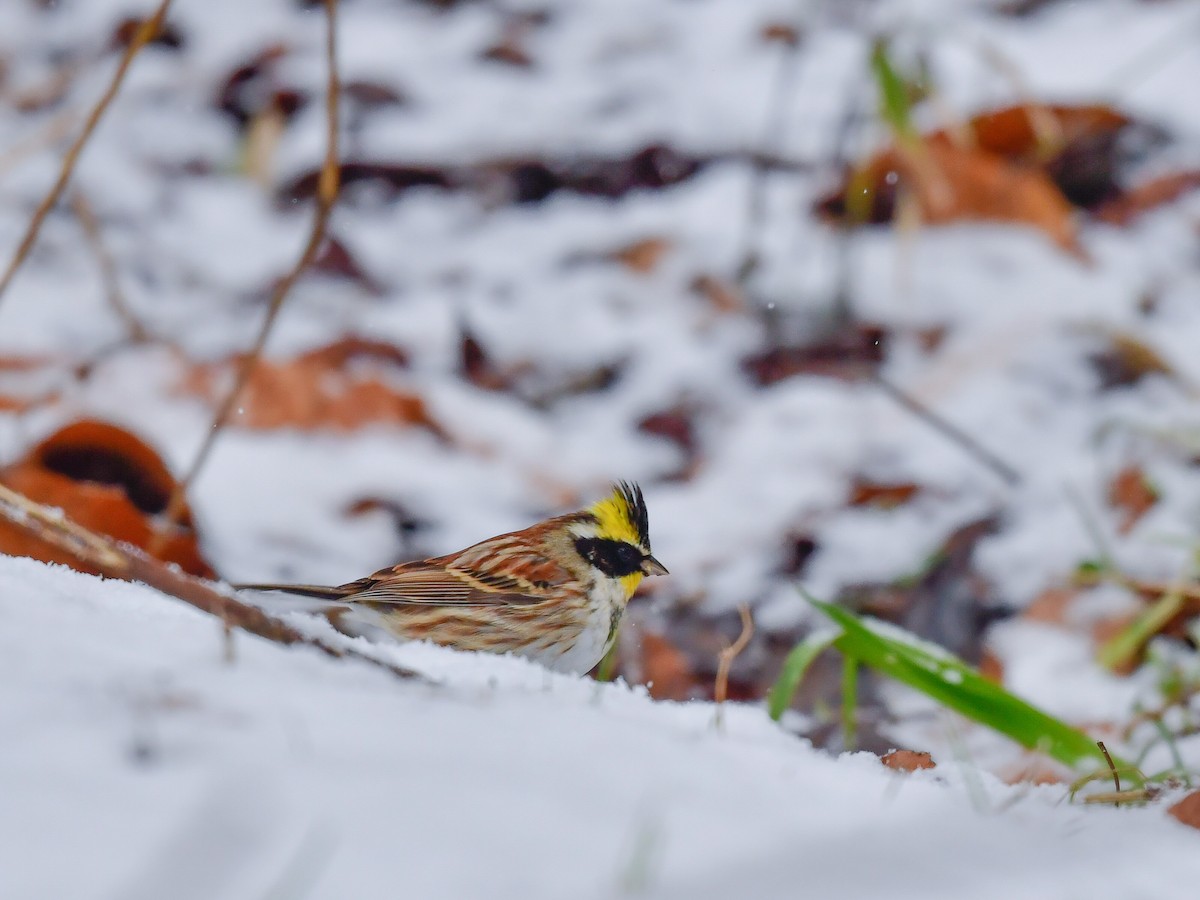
x=651 y=566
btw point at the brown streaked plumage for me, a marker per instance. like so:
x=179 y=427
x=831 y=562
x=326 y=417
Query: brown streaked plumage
x=553 y=592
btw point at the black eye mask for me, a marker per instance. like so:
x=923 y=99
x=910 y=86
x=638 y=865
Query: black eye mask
x=613 y=558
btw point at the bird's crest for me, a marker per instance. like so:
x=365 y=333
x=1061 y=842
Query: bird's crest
x=622 y=515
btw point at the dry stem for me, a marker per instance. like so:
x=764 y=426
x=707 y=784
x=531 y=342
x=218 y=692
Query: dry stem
x=108 y=270
x=127 y=562
x=145 y=32
x=327 y=191
x=730 y=653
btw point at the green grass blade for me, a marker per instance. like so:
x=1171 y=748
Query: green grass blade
x=955 y=685
x=794 y=667
x=849 y=702
x=1125 y=646
x=893 y=93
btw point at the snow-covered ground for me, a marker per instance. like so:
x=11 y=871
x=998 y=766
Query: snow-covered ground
x=136 y=763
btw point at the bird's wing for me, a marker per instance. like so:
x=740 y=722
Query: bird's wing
x=523 y=578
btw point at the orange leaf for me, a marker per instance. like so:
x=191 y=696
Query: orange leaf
x=972 y=185
x=339 y=387
x=908 y=760
x=106 y=480
x=1019 y=132
x=643 y=256
x=1154 y=193
x=886 y=496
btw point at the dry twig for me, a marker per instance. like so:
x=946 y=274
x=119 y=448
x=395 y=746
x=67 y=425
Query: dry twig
x=730 y=653
x=327 y=191
x=108 y=270
x=142 y=36
x=131 y=564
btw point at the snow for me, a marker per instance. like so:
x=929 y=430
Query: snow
x=136 y=763
x=139 y=763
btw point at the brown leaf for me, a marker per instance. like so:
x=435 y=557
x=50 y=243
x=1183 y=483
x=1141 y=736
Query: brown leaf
x=1051 y=605
x=1131 y=494
x=1023 y=164
x=642 y=256
x=341 y=387
x=252 y=88
x=850 y=353
x=991 y=667
x=167 y=35
x=107 y=480
x=1125 y=360
x=335 y=259
x=724 y=297
x=666 y=670
x=908 y=760
x=779 y=32
x=886 y=496
x=1131 y=204
x=676 y=425
x=1187 y=810
x=970 y=185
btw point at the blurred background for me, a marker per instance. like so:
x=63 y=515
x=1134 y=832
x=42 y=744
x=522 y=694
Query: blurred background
x=892 y=301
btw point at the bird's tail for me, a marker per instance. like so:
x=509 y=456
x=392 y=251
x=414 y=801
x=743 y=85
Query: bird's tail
x=318 y=591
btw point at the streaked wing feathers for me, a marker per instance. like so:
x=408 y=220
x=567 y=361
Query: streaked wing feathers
x=479 y=576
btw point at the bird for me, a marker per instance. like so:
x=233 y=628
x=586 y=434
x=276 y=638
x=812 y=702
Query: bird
x=553 y=592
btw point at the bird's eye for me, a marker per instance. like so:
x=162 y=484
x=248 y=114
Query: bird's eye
x=629 y=556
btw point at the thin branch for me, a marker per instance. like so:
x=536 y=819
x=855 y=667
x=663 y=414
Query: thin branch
x=144 y=34
x=1006 y=472
x=327 y=191
x=131 y=564
x=108 y=270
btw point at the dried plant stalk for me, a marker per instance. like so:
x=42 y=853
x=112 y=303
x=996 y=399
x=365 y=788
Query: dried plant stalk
x=730 y=653
x=131 y=564
x=142 y=36
x=108 y=269
x=327 y=191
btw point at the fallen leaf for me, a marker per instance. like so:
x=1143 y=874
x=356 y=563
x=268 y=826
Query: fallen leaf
x=676 y=425
x=1051 y=605
x=342 y=386
x=335 y=259
x=168 y=35
x=1125 y=208
x=886 y=496
x=107 y=480
x=991 y=667
x=1132 y=495
x=850 y=353
x=779 y=32
x=253 y=87
x=1125 y=360
x=724 y=297
x=908 y=760
x=665 y=669
x=1022 y=164
x=642 y=256
x=1187 y=810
